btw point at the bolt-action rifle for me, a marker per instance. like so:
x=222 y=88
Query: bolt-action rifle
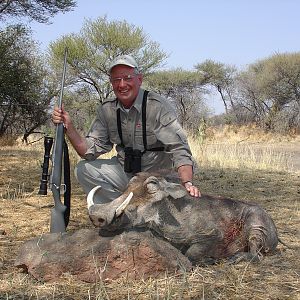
x=60 y=213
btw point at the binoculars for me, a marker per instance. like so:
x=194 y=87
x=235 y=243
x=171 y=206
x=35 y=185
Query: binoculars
x=48 y=141
x=133 y=160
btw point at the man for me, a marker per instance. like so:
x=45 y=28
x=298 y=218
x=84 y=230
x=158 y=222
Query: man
x=145 y=141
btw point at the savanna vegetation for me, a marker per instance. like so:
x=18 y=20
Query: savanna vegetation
x=251 y=152
x=265 y=94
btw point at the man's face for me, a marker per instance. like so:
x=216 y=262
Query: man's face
x=125 y=83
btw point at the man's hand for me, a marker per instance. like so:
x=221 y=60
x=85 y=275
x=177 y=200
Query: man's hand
x=193 y=190
x=77 y=141
x=61 y=116
x=185 y=173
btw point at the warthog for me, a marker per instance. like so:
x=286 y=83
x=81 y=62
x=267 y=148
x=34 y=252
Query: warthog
x=205 y=229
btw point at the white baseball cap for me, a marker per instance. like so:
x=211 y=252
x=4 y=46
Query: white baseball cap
x=126 y=60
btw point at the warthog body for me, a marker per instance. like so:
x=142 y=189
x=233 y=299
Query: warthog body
x=205 y=229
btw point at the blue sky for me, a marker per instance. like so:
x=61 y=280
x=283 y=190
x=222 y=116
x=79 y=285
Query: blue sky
x=235 y=32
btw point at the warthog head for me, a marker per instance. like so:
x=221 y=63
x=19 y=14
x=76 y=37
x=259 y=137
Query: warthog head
x=143 y=190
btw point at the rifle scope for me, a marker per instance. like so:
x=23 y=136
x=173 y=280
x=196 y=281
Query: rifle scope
x=48 y=141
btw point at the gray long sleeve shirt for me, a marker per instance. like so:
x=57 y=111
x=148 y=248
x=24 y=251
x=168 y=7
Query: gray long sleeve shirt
x=162 y=130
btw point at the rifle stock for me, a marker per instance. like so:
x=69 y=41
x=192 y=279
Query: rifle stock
x=58 y=223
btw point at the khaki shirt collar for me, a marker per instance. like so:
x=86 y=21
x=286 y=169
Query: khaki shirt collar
x=137 y=104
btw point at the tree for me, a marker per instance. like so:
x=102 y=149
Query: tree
x=37 y=10
x=271 y=91
x=185 y=90
x=92 y=50
x=25 y=92
x=221 y=77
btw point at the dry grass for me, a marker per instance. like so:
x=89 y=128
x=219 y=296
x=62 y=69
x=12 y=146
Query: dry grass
x=247 y=147
x=25 y=215
x=233 y=155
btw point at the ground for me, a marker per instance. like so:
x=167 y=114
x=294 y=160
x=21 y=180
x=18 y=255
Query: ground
x=25 y=215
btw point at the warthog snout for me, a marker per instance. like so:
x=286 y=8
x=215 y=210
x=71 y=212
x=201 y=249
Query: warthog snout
x=103 y=214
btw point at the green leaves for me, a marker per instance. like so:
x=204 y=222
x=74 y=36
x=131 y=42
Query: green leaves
x=38 y=10
x=97 y=44
x=271 y=91
x=24 y=93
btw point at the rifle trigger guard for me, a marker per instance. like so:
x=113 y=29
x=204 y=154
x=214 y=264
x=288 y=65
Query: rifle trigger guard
x=62 y=187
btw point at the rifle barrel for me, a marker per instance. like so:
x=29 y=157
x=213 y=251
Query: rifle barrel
x=63 y=79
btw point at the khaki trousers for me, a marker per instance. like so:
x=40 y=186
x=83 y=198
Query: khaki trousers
x=108 y=173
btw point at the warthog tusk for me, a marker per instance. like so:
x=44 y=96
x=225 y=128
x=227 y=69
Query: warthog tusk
x=90 y=197
x=121 y=208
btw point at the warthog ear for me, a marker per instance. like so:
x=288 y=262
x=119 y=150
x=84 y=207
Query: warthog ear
x=176 y=190
x=160 y=188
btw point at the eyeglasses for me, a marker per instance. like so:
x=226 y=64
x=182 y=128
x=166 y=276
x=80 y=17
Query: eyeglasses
x=127 y=78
